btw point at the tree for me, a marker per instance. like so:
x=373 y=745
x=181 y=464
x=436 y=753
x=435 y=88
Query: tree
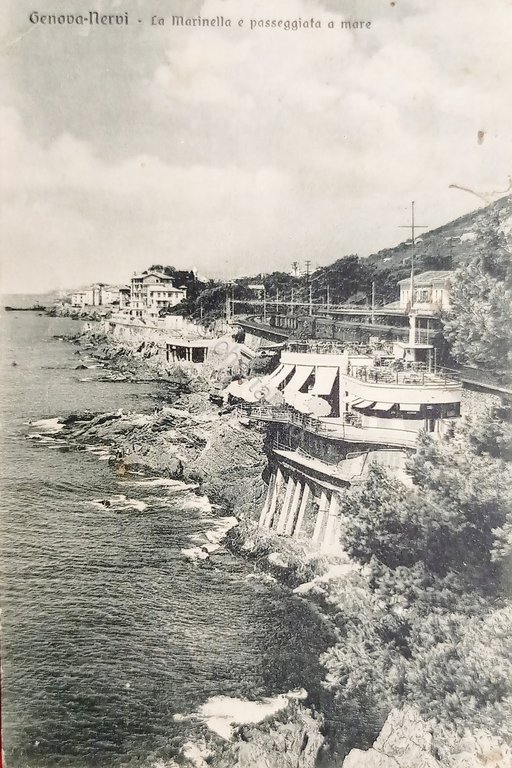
x=478 y=326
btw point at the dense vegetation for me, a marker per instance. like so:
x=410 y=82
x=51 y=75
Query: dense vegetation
x=479 y=328
x=425 y=619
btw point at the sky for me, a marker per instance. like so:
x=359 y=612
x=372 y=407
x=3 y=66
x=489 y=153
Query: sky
x=236 y=151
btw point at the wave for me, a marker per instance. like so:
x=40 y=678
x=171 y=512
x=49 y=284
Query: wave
x=262 y=577
x=209 y=541
x=192 y=501
x=101 y=453
x=46 y=439
x=119 y=503
x=49 y=426
x=219 y=532
x=222 y=714
x=161 y=481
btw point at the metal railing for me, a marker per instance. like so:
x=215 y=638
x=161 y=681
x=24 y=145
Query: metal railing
x=408 y=377
x=282 y=415
x=348 y=427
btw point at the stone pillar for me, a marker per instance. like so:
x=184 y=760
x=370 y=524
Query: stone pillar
x=294 y=506
x=275 y=496
x=302 y=510
x=329 y=540
x=286 y=505
x=320 y=517
x=268 y=499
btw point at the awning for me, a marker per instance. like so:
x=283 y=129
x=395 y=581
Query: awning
x=383 y=406
x=274 y=373
x=324 y=381
x=352 y=399
x=281 y=376
x=410 y=407
x=364 y=404
x=299 y=378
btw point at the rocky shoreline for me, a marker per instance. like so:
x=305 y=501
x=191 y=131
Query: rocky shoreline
x=190 y=437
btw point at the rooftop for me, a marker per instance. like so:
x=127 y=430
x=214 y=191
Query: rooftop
x=426 y=278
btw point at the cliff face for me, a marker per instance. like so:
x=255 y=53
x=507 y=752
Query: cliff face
x=230 y=466
x=290 y=743
x=408 y=741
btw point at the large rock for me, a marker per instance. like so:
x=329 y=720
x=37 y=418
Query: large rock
x=294 y=743
x=406 y=741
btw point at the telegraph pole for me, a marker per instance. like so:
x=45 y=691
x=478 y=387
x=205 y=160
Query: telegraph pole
x=308 y=263
x=413 y=227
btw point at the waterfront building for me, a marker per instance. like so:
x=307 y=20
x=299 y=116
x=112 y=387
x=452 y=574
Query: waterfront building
x=98 y=295
x=152 y=291
x=331 y=411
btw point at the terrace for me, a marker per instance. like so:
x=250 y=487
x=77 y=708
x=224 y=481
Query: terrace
x=348 y=427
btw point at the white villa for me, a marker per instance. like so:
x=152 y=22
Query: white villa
x=152 y=291
x=431 y=291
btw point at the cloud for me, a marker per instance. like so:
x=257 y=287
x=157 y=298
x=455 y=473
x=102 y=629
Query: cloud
x=235 y=150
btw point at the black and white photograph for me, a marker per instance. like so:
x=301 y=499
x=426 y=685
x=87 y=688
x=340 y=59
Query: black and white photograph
x=256 y=383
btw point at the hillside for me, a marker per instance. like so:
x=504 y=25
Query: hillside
x=453 y=244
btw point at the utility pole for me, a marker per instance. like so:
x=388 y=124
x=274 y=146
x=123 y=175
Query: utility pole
x=308 y=264
x=413 y=227
x=277 y=301
x=310 y=299
x=291 y=304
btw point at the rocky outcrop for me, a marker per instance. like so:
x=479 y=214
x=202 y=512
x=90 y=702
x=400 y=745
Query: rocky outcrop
x=409 y=741
x=230 y=466
x=293 y=741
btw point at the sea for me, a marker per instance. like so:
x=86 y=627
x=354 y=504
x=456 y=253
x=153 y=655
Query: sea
x=118 y=649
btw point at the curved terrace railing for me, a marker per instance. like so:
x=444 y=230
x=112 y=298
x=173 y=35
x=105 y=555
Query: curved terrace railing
x=334 y=429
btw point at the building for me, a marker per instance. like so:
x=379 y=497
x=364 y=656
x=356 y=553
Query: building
x=333 y=412
x=431 y=291
x=98 y=295
x=81 y=298
x=153 y=291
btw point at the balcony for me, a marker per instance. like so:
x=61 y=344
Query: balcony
x=415 y=375
x=348 y=428
x=409 y=386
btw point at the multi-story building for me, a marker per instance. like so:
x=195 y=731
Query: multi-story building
x=152 y=291
x=98 y=295
x=431 y=291
x=331 y=412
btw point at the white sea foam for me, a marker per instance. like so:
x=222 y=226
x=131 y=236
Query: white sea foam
x=223 y=713
x=50 y=426
x=164 y=481
x=196 y=502
x=222 y=525
x=119 y=503
x=261 y=576
x=45 y=438
x=101 y=453
x=195 y=553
